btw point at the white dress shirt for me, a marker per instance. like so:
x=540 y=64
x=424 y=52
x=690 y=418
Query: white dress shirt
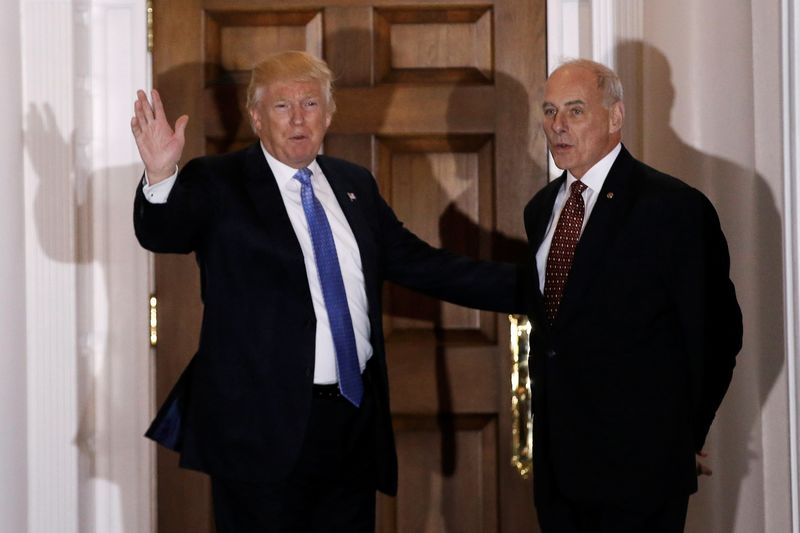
x=593 y=179
x=346 y=249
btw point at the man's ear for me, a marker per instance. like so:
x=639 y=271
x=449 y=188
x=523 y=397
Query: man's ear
x=255 y=120
x=616 y=116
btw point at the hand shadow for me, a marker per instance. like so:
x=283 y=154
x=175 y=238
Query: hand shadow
x=67 y=209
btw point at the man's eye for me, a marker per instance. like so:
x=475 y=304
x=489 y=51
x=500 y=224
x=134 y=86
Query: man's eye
x=311 y=103
x=281 y=106
x=549 y=112
x=576 y=111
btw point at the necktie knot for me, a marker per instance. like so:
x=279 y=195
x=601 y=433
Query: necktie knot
x=303 y=176
x=576 y=188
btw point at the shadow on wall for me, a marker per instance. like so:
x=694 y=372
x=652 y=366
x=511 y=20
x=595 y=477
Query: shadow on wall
x=98 y=345
x=104 y=388
x=753 y=229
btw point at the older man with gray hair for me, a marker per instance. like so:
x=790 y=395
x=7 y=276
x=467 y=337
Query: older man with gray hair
x=637 y=326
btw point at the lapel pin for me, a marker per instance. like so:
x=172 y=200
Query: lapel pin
x=610 y=195
x=352 y=196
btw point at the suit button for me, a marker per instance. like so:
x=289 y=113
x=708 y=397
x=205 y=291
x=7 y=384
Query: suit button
x=551 y=353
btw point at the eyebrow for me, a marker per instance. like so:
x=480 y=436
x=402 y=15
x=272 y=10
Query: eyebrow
x=571 y=102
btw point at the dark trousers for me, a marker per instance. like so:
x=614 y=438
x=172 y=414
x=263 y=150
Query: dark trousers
x=558 y=514
x=331 y=489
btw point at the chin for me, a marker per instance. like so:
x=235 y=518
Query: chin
x=561 y=164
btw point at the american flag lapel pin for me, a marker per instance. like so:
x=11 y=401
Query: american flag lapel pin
x=352 y=196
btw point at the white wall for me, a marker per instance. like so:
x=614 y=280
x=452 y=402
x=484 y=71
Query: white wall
x=13 y=407
x=75 y=375
x=703 y=102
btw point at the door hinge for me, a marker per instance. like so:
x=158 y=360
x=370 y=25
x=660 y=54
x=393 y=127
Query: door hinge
x=153 y=320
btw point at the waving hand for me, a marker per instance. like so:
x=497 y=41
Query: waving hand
x=159 y=146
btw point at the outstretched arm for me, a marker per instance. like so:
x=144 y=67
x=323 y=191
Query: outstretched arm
x=160 y=146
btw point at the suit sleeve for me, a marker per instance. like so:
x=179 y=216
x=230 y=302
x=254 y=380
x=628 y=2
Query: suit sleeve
x=177 y=225
x=709 y=312
x=411 y=262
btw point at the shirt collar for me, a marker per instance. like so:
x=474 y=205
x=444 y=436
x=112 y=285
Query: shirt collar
x=284 y=173
x=596 y=176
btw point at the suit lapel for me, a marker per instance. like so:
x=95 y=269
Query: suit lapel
x=347 y=194
x=542 y=212
x=536 y=227
x=613 y=202
x=263 y=191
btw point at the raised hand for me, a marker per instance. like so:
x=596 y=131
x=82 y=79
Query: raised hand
x=159 y=146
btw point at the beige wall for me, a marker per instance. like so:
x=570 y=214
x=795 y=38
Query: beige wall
x=703 y=102
x=13 y=409
x=710 y=101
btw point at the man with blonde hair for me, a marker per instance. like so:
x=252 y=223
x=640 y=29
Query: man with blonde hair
x=285 y=405
x=637 y=326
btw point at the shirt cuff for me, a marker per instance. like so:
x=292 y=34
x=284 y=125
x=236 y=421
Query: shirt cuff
x=159 y=192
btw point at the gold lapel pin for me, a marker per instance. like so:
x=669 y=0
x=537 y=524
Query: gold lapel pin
x=610 y=195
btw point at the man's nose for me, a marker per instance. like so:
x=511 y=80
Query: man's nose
x=559 y=125
x=297 y=115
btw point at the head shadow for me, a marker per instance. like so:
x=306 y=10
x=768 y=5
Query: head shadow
x=752 y=225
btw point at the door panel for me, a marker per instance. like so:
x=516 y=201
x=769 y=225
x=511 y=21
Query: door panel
x=436 y=99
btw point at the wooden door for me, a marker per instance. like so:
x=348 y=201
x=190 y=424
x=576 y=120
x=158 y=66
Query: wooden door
x=438 y=99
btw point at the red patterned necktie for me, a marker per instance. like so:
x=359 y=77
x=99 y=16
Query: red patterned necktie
x=562 y=250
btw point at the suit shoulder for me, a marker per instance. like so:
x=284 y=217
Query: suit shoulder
x=344 y=167
x=670 y=191
x=218 y=171
x=657 y=179
x=345 y=173
x=217 y=163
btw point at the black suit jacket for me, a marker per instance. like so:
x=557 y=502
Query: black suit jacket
x=629 y=377
x=241 y=407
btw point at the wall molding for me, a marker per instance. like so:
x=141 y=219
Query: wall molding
x=790 y=31
x=88 y=361
x=592 y=29
x=13 y=367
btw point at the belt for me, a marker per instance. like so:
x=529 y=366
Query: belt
x=327 y=391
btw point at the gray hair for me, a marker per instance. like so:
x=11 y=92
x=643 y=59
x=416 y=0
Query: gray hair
x=607 y=79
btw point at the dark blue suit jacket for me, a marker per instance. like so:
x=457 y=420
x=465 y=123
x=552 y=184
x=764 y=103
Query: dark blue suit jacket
x=630 y=375
x=240 y=409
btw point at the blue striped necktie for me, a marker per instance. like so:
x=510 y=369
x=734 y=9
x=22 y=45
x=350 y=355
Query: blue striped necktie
x=330 y=278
